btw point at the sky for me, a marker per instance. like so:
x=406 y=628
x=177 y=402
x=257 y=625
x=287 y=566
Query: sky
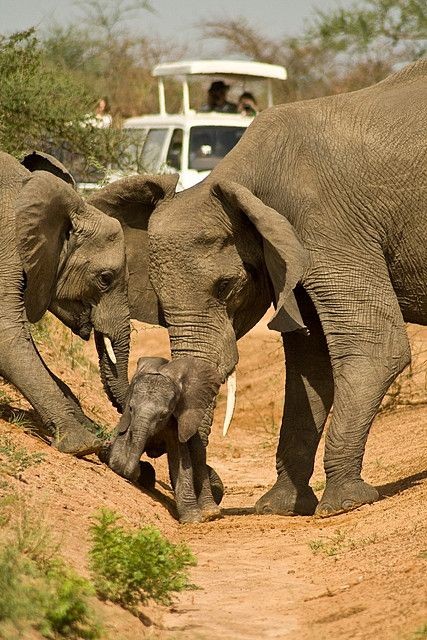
x=172 y=17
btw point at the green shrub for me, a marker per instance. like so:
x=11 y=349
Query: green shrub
x=130 y=567
x=15 y=459
x=37 y=590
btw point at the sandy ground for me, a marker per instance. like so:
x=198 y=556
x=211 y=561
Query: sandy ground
x=358 y=575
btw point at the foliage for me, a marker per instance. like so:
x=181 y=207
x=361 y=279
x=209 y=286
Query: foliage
x=130 y=567
x=115 y=61
x=341 y=50
x=420 y=634
x=338 y=543
x=45 y=107
x=15 y=459
x=398 y=25
x=37 y=590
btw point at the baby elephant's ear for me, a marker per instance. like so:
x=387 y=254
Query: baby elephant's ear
x=285 y=257
x=150 y=365
x=199 y=383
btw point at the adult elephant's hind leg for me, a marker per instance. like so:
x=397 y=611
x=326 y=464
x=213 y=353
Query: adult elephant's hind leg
x=365 y=362
x=308 y=399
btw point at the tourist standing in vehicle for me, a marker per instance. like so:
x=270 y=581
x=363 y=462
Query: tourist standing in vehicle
x=247 y=105
x=217 y=98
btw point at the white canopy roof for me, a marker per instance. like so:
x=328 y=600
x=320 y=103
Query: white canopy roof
x=221 y=67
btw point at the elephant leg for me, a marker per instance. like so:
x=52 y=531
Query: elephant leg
x=22 y=366
x=181 y=475
x=217 y=486
x=308 y=399
x=365 y=362
x=201 y=477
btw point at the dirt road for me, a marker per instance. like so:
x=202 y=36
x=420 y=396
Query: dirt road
x=358 y=575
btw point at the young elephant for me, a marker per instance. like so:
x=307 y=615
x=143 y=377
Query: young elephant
x=158 y=415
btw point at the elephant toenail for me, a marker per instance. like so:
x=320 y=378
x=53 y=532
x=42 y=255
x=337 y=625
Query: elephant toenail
x=348 y=504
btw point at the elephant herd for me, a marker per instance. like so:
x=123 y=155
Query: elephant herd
x=320 y=210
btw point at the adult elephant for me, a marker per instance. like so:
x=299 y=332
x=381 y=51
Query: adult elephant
x=320 y=208
x=62 y=254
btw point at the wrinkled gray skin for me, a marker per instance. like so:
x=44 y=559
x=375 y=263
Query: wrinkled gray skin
x=330 y=194
x=62 y=254
x=156 y=416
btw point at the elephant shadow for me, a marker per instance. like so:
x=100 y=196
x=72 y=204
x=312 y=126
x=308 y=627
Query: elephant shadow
x=238 y=511
x=403 y=484
x=27 y=420
x=162 y=497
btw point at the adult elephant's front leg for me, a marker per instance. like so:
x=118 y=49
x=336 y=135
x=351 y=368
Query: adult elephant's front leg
x=21 y=365
x=308 y=399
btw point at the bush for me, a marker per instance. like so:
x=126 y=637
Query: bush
x=37 y=590
x=130 y=567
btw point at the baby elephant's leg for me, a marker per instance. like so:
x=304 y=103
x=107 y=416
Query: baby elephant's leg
x=181 y=474
x=202 y=485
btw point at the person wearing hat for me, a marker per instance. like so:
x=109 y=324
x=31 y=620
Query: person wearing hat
x=217 y=98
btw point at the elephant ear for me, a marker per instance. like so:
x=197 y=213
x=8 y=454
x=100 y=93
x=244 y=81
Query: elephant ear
x=40 y=161
x=150 y=365
x=285 y=257
x=200 y=383
x=43 y=212
x=132 y=201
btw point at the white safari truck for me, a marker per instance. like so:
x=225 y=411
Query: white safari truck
x=191 y=142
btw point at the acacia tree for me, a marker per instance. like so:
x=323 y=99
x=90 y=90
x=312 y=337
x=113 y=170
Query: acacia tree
x=341 y=50
x=107 y=54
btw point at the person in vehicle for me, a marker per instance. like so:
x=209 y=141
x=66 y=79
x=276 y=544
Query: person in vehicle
x=217 y=98
x=247 y=105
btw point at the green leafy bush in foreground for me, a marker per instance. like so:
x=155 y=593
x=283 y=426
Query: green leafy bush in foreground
x=130 y=567
x=37 y=589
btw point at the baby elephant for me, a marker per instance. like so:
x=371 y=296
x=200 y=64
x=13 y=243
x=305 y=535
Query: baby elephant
x=159 y=414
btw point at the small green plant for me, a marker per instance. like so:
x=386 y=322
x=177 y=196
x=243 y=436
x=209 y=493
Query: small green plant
x=4 y=397
x=41 y=330
x=16 y=459
x=420 y=634
x=318 y=485
x=37 y=590
x=19 y=419
x=130 y=567
x=338 y=543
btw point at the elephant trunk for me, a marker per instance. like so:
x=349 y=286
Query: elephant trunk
x=206 y=424
x=132 y=436
x=212 y=340
x=113 y=356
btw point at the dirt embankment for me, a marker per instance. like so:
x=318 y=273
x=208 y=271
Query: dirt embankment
x=358 y=575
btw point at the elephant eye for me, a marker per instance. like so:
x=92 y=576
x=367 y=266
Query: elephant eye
x=106 y=279
x=223 y=288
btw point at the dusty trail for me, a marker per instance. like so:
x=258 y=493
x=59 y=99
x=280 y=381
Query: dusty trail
x=360 y=575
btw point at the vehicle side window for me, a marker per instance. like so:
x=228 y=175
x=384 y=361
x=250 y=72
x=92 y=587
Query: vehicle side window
x=151 y=157
x=173 y=158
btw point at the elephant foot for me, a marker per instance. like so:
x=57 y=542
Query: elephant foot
x=217 y=486
x=211 y=512
x=338 y=498
x=284 y=499
x=77 y=441
x=190 y=516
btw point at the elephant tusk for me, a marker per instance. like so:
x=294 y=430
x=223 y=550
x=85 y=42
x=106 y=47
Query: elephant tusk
x=110 y=350
x=231 y=401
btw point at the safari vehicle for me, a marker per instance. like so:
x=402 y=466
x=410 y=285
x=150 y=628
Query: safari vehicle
x=191 y=142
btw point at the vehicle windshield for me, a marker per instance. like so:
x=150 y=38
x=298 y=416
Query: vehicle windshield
x=208 y=145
